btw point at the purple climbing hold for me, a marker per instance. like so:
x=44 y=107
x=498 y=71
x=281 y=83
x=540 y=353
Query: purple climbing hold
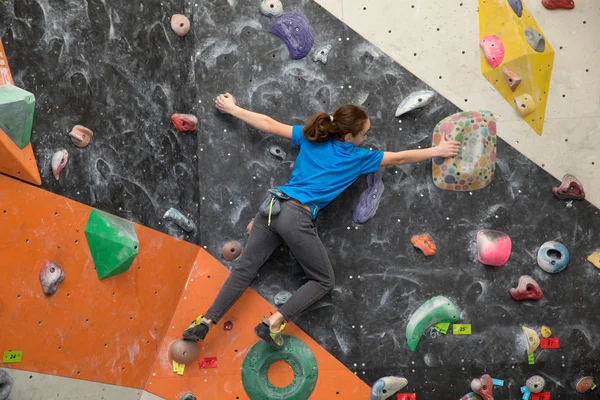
x=369 y=199
x=517 y=6
x=450 y=179
x=295 y=31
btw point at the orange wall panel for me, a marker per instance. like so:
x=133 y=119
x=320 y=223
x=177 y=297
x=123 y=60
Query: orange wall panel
x=105 y=331
x=231 y=347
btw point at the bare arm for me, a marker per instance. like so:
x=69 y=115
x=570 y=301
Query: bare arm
x=226 y=103
x=444 y=149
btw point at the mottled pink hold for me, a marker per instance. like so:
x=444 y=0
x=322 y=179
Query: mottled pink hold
x=492 y=128
x=484 y=387
x=570 y=188
x=447 y=127
x=493 y=156
x=528 y=289
x=493 y=50
x=50 y=276
x=493 y=247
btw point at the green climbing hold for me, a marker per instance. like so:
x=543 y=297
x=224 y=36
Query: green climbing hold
x=16 y=113
x=113 y=243
x=294 y=352
x=433 y=311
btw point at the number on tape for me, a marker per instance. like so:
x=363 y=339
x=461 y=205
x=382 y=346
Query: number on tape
x=550 y=343
x=12 y=356
x=207 y=362
x=461 y=329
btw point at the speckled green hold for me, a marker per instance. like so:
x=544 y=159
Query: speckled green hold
x=294 y=352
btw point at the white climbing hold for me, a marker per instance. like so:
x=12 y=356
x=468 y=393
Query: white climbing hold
x=321 y=53
x=271 y=8
x=415 y=100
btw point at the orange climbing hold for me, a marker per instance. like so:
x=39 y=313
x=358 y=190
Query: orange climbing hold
x=424 y=243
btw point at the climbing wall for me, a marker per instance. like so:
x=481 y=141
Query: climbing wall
x=129 y=73
x=229 y=348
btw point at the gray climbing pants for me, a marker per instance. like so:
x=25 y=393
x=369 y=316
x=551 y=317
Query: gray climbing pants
x=294 y=227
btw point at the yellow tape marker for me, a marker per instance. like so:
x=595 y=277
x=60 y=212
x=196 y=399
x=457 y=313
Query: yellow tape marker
x=461 y=329
x=442 y=327
x=178 y=368
x=12 y=356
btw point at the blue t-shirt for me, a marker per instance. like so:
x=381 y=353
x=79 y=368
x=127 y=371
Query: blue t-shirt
x=324 y=170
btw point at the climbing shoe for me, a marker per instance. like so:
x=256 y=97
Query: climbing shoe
x=273 y=338
x=197 y=330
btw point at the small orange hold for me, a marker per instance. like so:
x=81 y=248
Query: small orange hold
x=584 y=385
x=425 y=243
x=81 y=136
x=232 y=250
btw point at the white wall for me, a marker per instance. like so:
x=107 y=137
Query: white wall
x=571 y=139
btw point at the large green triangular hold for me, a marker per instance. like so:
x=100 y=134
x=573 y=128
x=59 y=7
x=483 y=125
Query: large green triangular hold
x=16 y=113
x=113 y=243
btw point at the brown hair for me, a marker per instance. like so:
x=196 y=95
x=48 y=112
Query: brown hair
x=347 y=118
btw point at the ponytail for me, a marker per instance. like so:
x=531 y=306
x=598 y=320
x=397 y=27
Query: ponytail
x=319 y=128
x=345 y=119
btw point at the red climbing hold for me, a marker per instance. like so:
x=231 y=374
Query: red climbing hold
x=570 y=188
x=483 y=387
x=228 y=325
x=554 y=4
x=184 y=122
x=528 y=289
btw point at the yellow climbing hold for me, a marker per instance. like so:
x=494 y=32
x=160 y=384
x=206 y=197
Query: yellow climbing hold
x=594 y=258
x=533 y=340
x=496 y=17
x=546 y=332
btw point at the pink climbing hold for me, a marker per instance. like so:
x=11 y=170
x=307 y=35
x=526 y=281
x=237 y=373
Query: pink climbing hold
x=50 y=276
x=184 y=122
x=493 y=50
x=180 y=24
x=59 y=162
x=528 y=289
x=483 y=387
x=570 y=188
x=493 y=247
x=554 y=4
